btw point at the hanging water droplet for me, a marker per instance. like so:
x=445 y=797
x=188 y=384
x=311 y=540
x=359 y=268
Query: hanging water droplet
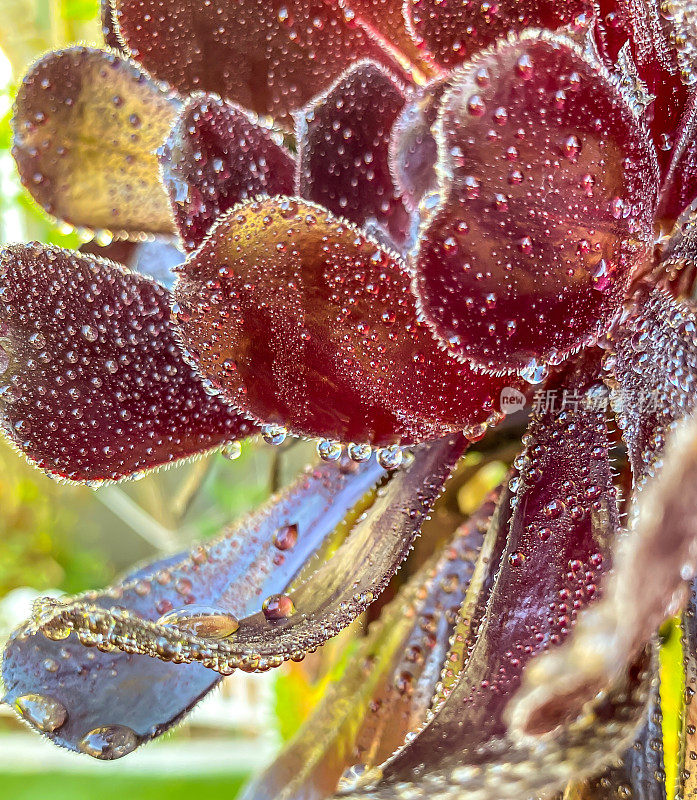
x=534 y=372
x=359 y=452
x=328 y=450
x=204 y=621
x=232 y=451
x=278 y=606
x=390 y=457
x=274 y=434
x=43 y=712
x=109 y=742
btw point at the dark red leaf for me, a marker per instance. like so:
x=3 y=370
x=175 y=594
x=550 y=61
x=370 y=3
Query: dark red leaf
x=215 y=157
x=292 y=624
x=270 y=56
x=343 y=138
x=647 y=585
x=86 y=127
x=93 y=385
x=385 y=690
x=108 y=26
x=679 y=188
x=652 y=370
x=557 y=537
x=386 y=20
x=305 y=322
x=413 y=149
x=452 y=31
x=231 y=575
x=530 y=250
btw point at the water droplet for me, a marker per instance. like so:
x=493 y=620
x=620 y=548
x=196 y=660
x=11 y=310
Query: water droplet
x=390 y=457
x=204 y=621
x=534 y=372
x=109 y=742
x=328 y=450
x=274 y=434
x=89 y=332
x=359 y=452
x=43 y=712
x=232 y=451
x=278 y=606
x=286 y=537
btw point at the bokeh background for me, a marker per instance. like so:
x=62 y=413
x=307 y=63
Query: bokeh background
x=56 y=538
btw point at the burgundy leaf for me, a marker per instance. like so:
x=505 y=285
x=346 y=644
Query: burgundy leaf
x=215 y=157
x=558 y=536
x=86 y=127
x=229 y=576
x=680 y=185
x=413 y=149
x=452 y=31
x=386 y=688
x=652 y=370
x=109 y=34
x=305 y=322
x=93 y=384
x=536 y=234
x=270 y=56
x=659 y=555
x=288 y=625
x=386 y=20
x=343 y=138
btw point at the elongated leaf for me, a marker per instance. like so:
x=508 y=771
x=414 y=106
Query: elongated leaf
x=386 y=688
x=99 y=687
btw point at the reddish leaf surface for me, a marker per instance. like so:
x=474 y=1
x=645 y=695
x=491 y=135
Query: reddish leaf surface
x=652 y=370
x=386 y=20
x=270 y=56
x=108 y=26
x=305 y=322
x=454 y=30
x=343 y=138
x=547 y=201
x=413 y=149
x=215 y=157
x=94 y=386
x=86 y=127
x=680 y=185
x=232 y=574
x=386 y=688
x=659 y=556
x=313 y=611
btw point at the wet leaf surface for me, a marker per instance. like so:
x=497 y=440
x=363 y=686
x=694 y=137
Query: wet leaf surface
x=289 y=624
x=86 y=127
x=305 y=322
x=386 y=688
x=153 y=258
x=452 y=31
x=652 y=368
x=93 y=385
x=232 y=574
x=558 y=537
x=687 y=761
x=270 y=56
x=216 y=156
x=343 y=138
x=530 y=248
x=659 y=554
